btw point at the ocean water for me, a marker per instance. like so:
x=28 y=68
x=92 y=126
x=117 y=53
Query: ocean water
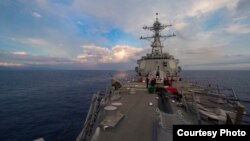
x=238 y=80
x=48 y=104
x=53 y=104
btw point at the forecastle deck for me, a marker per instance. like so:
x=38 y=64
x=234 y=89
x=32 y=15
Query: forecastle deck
x=132 y=113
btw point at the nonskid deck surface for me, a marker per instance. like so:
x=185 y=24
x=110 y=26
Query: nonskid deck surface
x=141 y=121
x=144 y=122
x=139 y=116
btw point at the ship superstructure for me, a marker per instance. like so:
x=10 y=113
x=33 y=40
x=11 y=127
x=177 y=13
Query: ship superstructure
x=157 y=61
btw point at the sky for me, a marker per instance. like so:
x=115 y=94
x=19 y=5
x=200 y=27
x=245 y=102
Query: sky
x=104 y=34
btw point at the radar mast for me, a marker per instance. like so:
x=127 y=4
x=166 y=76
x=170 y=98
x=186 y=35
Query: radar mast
x=156 y=43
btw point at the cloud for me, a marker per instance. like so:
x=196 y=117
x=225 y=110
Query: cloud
x=134 y=14
x=234 y=61
x=206 y=6
x=241 y=18
x=243 y=7
x=200 y=51
x=200 y=26
x=53 y=48
x=130 y=16
x=180 y=25
x=79 y=23
x=25 y=59
x=36 y=15
x=8 y=64
x=30 y=61
x=35 y=42
x=238 y=29
x=116 y=54
x=21 y=53
x=85 y=56
x=218 y=66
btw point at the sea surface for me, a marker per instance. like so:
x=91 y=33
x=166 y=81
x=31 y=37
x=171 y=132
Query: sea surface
x=53 y=104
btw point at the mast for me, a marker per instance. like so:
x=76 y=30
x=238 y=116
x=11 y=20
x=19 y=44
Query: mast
x=156 y=43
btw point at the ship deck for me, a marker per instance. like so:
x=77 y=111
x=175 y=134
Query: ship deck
x=142 y=121
x=139 y=116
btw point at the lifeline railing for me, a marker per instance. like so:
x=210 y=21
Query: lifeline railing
x=91 y=118
x=221 y=93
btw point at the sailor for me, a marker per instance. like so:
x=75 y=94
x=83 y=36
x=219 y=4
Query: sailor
x=153 y=82
x=147 y=81
x=157 y=75
x=169 y=81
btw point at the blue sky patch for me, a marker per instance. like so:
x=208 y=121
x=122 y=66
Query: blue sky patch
x=215 y=19
x=118 y=37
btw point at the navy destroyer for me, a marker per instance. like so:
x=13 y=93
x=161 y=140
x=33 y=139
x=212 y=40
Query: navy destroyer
x=147 y=106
